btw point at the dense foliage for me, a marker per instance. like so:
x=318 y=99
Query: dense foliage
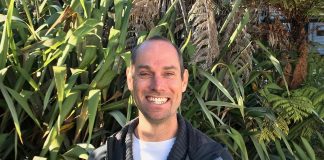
x=254 y=84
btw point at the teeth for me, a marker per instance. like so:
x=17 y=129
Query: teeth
x=157 y=100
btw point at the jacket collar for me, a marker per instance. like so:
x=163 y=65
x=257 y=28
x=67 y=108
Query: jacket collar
x=179 y=148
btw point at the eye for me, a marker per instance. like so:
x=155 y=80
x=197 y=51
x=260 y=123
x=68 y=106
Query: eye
x=144 y=74
x=169 y=74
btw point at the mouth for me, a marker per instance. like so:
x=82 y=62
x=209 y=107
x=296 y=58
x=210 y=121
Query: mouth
x=157 y=100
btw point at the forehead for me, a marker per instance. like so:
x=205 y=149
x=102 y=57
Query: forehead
x=157 y=53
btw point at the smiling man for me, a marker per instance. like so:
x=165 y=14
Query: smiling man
x=157 y=79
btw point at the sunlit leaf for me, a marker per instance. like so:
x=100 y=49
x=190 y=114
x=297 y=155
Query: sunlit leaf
x=93 y=102
x=119 y=117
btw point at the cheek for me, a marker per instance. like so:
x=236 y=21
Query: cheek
x=140 y=86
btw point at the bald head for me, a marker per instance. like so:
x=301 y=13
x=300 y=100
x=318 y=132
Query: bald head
x=138 y=49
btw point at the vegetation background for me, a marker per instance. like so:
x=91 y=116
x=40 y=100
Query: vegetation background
x=256 y=83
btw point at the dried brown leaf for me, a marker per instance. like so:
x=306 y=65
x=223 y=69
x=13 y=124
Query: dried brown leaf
x=205 y=34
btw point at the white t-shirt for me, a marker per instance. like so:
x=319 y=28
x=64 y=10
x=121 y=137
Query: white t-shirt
x=151 y=150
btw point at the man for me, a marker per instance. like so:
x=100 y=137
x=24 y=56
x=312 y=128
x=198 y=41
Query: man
x=156 y=79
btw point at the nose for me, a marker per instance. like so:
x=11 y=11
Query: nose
x=157 y=83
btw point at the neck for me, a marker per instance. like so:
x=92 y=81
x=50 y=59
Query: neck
x=155 y=132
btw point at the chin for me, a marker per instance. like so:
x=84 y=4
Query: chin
x=158 y=118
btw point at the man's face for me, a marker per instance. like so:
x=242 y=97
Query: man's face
x=155 y=80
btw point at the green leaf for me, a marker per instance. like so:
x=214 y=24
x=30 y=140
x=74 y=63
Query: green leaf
x=283 y=137
x=3 y=138
x=59 y=76
x=222 y=103
x=240 y=27
x=78 y=151
x=31 y=26
x=81 y=120
x=114 y=35
x=258 y=148
x=275 y=62
x=119 y=5
x=321 y=138
x=125 y=25
x=48 y=95
x=89 y=56
x=317 y=116
x=119 y=117
x=55 y=145
x=217 y=118
x=203 y=106
x=157 y=30
x=218 y=84
x=76 y=36
x=300 y=152
x=86 y=27
x=231 y=15
x=52 y=138
x=102 y=71
x=71 y=81
x=84 y=8
x=10 y=103
x=27 y=77
x=264 y=148
x=115 y=105
x=168 y=13
x=39 y=45
x=93 y=102
x=238 y=139
x=39 y=158
x=23 y=102
x=308 y=148
x=105 y=81
x=186 y=42
x=279 y=150
x=67 y=106
x=129 y=108
x=127 y=56
x=4 y=44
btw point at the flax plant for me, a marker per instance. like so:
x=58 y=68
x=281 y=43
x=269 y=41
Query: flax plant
x=63 y=87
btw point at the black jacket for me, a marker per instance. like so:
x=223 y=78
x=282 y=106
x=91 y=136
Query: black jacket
x=190 y=144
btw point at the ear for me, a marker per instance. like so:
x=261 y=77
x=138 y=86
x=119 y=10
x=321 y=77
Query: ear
x=129 y=74
x=185 y=80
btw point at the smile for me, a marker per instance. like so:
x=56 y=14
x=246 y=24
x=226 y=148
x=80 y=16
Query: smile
x=157 y=100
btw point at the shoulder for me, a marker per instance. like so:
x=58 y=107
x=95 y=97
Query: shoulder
x=203 y=147
x=112 y=141
x=115 y=143
x=99 y=153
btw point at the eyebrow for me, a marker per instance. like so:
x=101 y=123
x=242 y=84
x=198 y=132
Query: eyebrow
x=149 y=68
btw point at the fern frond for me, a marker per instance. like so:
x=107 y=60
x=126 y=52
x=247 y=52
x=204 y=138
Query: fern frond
x=318 y=97
x=300 y=107
x=269 y=130
x=308 y=130
x=266 y=135
x=282 y=124
x=281 y=103
x=296 y=107
x=307 y=91
x=241 y=55
x=205 y=35
x=143 y=16
x=272 y=97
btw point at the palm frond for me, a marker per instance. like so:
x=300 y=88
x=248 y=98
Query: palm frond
x=143 y=17
x=205 y=34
